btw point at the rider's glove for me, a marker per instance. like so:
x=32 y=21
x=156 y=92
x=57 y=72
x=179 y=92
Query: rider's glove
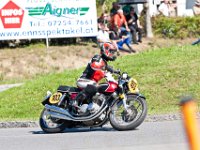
x=117 y=71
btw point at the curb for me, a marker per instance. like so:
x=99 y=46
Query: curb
x=19 y=124
x=35 y=124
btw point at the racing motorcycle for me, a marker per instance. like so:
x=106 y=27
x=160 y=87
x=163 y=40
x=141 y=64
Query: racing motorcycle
x=117 y=101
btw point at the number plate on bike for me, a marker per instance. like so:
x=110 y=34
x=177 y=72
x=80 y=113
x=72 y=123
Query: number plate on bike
x=55 y=98
x=133 y=85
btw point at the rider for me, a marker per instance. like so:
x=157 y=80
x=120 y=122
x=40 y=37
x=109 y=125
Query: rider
x=94 y=72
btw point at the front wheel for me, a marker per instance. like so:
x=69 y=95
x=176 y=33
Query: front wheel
x=129 y=119
x=49 y=124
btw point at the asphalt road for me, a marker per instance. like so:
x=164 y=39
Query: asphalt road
x=166 y=135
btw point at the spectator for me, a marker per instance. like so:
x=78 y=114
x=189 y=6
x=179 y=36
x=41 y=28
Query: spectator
x=173 y=9
x=115 y=7
x=126 y=9
x=103 y=34
x=196 y=8
x=196 y=42
x=119 y=23
x=164 y=8
x=121 y=40
x=104 y=18
x=134 y=26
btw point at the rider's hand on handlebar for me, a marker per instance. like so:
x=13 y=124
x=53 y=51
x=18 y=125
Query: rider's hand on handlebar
x=117 y=72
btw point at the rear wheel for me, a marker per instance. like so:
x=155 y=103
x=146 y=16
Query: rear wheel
x=131 y=118
x=49 y=124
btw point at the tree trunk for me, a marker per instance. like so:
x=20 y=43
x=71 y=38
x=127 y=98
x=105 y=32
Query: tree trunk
x=103 y=6
x=148 y=21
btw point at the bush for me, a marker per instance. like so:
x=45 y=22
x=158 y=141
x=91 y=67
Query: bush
x=177 y=27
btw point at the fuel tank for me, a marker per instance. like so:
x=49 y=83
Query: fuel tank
x=109 y=87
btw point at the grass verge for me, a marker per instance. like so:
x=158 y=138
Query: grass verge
x=163 y=75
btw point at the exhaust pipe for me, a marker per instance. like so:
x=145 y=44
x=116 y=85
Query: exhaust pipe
x=61 y=113
x=59 y=116
x=59 y=110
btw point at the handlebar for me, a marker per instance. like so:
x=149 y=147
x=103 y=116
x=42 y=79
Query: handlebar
x=118 y=72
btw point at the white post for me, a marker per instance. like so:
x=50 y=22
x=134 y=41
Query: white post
x=47 y=42
x=148 y=22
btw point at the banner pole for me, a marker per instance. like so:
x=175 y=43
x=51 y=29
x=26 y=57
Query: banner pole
x=47 y=42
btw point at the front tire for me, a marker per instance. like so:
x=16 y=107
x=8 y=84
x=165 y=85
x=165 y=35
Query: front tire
x=129 y=119
x=49 y=124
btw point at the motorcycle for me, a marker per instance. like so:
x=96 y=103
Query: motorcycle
x=117 y=101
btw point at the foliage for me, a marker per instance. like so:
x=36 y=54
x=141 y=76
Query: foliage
x=177 y=27
x=102 y=3
x=162 y=74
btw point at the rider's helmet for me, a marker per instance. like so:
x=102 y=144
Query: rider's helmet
x=108 y=51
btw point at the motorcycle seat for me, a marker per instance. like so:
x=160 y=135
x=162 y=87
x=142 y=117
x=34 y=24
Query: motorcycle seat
x=63 y=88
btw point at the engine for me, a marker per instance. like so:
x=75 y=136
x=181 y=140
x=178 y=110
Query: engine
x=98 y=100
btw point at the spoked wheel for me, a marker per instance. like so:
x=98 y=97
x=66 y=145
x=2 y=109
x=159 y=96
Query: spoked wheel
x=130 y=118
x=49 y=124
x=130 y=114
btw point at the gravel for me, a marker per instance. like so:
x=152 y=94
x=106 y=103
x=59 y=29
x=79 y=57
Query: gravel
x=19 y=124
x=149 y=118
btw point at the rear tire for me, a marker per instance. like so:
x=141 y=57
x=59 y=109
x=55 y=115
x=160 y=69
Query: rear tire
x=45 y=122
x=132 y=121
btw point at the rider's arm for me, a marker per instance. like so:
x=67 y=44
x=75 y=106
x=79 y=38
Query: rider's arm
x=110 y=69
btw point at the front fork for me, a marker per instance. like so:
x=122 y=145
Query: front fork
x=123 y=97
x=124 y=103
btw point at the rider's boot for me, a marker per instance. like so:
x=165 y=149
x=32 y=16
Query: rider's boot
x=80 y=98
x=90 y=91
x=86 y=94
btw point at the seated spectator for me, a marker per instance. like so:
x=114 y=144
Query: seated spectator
x=103 y=34
x=196 y=8
x=134 y=26
x=115 y=7
x=104 y=18
x=121 y=40
x=126 y=9
x=119 y=23
x=196 y=42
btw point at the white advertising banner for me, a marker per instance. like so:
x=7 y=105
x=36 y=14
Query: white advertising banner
x=28 y=19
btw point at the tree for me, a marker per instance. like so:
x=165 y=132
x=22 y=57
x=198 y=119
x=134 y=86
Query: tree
x=148 y=21
x=105 y=4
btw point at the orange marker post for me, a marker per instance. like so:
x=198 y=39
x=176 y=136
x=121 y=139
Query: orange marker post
x=189 y=110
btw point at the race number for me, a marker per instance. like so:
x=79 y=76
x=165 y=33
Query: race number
x=55 y=98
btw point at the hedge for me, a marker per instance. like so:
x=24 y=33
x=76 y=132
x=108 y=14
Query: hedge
x=176 y=27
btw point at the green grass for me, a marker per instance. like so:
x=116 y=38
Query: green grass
x=163 y=75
